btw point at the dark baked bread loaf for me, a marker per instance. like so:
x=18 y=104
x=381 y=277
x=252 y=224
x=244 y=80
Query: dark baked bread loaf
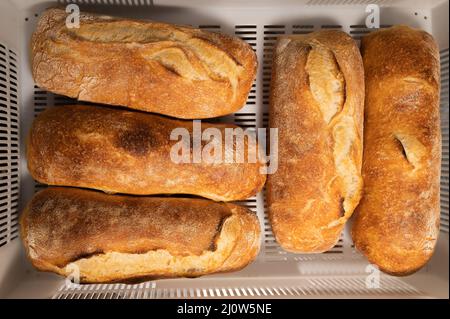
x=118 y=151
x=112 y=238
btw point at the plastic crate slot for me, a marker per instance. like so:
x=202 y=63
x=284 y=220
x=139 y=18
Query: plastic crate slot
x=110 y=2
x=444 y=221
x=344 y=2
x=331 y=26
x=9 y=145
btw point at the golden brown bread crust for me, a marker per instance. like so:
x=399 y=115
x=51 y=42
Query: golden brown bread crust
x=115 y=238
x=119 y=151
x=150 y=66
x=317 y=96
x=397 y=222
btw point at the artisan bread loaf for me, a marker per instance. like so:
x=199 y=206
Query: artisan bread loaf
x=112 y=238
x=119 y=151
x=150 y=66
x=397 y=222
x=316 y=102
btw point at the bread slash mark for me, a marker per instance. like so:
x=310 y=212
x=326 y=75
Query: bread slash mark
x=326 y=81
x=219 y=226
x=412 y=149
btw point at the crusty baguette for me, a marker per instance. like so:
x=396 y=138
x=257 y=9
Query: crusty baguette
x=112 y=238
x=317 y=99
x=150 y=66
x=119 y=151
x=397 y=222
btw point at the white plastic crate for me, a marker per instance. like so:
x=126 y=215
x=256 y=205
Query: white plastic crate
x=339 y=273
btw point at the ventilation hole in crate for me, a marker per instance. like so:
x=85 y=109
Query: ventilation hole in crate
x=345 y=2
x=325 y=286
x=43 y=99
x=357 y=31
x=302 y=29
x=445 y=141
x=246 y=26
x=251 y=100
x=265 y=120
x=245 y=120
x=107 y=291
x=64 y=100
x=250 y=203
x=247 y=33
x=9 y=145
x=40 y=99
x=110 y=2
x=444 y=76
x=331 y=26
x=270 y=36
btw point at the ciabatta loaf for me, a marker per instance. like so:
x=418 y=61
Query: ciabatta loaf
x=397 y=222
x=118 y=151
x=95 y=238
x=150 y=66
x=316 y=102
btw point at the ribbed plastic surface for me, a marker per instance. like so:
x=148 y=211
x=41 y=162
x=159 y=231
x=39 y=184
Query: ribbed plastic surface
x=445 y=141
x=314 y=287
x=9 y=145
x=339 y=272
x=255 y=114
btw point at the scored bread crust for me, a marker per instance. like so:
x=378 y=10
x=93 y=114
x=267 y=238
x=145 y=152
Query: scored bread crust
x=316 y=102
x=397 y=222
x=118 y=151
x=151 y=66
x=115 y=238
